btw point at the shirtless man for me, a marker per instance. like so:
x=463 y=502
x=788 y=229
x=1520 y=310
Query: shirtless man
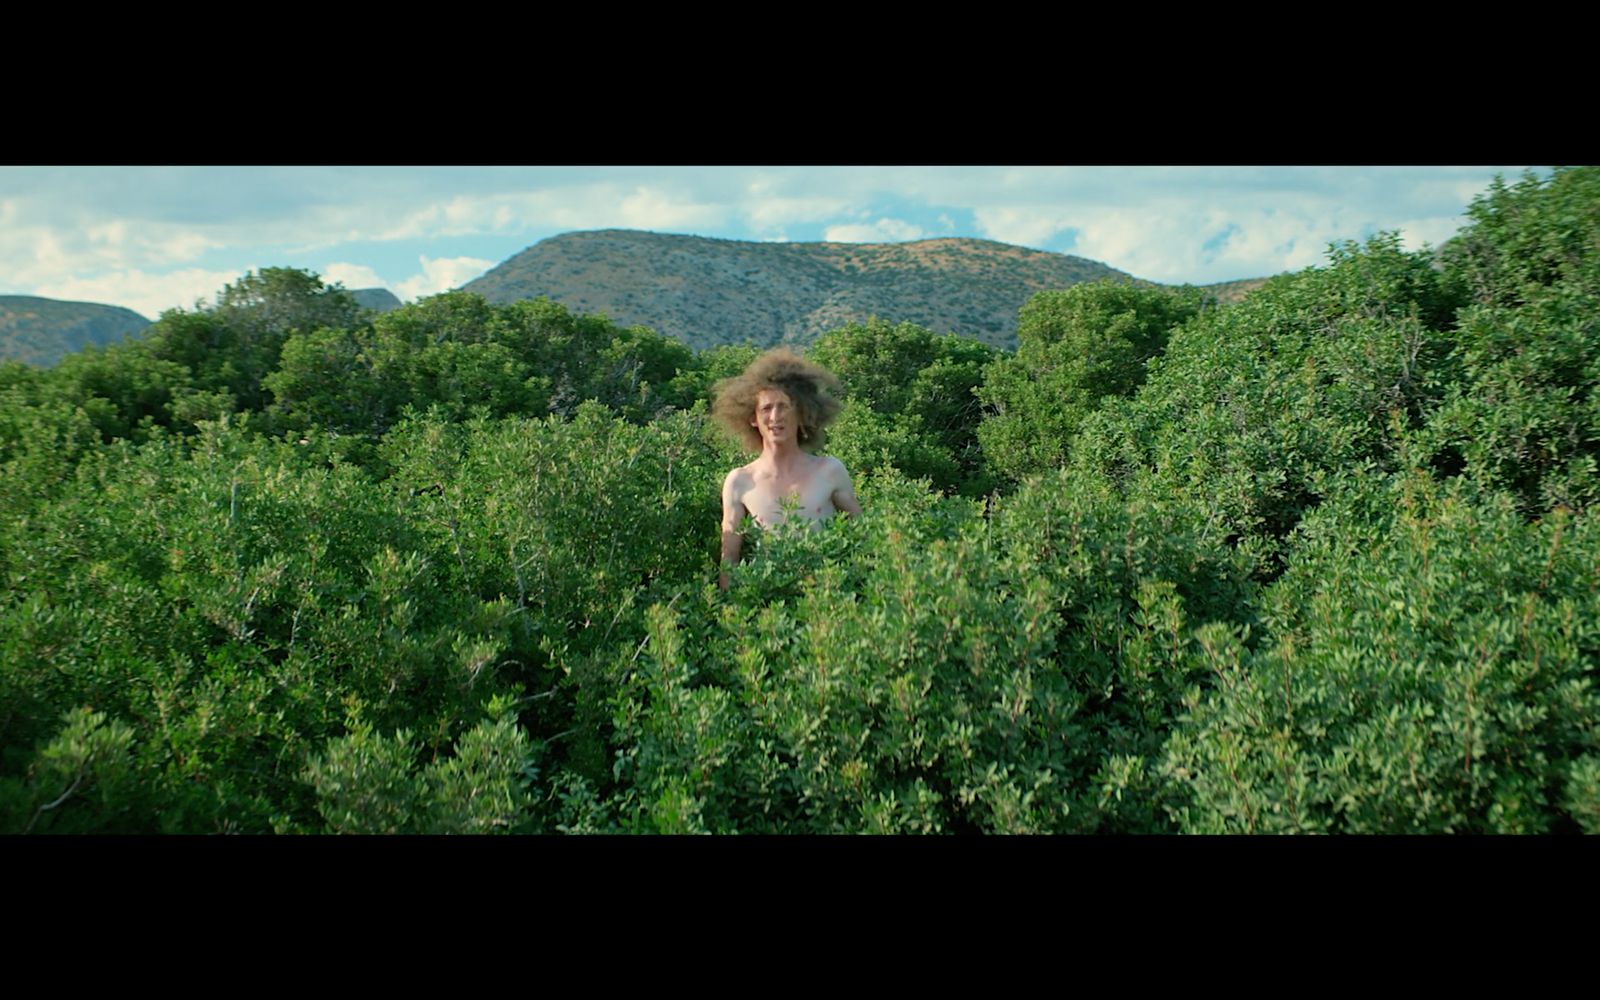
x=781 y=405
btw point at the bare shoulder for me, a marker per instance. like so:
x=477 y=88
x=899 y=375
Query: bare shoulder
x=738 y=481
x=736 y=485
x=834 y=469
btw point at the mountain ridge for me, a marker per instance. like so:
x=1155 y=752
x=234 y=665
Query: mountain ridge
x=701 y=290
x=707 y=290
x=41 y=331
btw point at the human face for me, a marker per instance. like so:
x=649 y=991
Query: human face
x=775 y=417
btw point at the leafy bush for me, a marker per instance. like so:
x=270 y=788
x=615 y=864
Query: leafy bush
x=1428 y=672
x=1525 y=237
x=922 y=668
x=867 y=441
x=1524 y=414
x=223 y=598
x=366 y=783
x=1255 y=407
x=569 y=523
x=1074 y=348
x=83 y=779
x=1321 y=561
x=924 y=387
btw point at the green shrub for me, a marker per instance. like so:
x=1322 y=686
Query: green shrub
x=83 y=779
x=1428 y=672
x=367 y=783
x=1255 y=406
x=922 y=387
x=1074 y=348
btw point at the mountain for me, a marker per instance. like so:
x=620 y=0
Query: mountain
x=1226 y=292
x=710 y=291
x=377 y=299
x=43 y=331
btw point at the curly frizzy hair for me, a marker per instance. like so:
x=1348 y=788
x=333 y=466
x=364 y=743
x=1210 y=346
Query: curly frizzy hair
x=809 y=386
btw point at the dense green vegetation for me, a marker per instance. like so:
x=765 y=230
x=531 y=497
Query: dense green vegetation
x=1323 y=560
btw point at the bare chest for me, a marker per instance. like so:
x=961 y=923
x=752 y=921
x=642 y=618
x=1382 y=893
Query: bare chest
x=771 y=499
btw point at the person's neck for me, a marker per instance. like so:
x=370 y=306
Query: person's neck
x=782 y=458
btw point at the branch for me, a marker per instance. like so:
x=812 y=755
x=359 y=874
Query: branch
x=64 y=797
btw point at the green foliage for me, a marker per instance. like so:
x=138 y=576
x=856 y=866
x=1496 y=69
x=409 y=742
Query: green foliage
x=635 y=363
x=83 y=779
x=223 y=599
x=710 y=366
x=367 y=783
x=437 y=352
x=122 y=388
x=571 y=523
x=590 y=358
x=1529 y=236
x=269 y=304
x=323 y=379
x=898 y=689
x=1131 y=581
x=868 y=441
x=1428 y=672
x=923 y=668
x=1324 y=562
x=231 y=346
x=1523 y=412
x=464 y=356
x=1256 y=409
x=1582 y=798
x=41 y=442
x=923 y=386
x=1074 y=348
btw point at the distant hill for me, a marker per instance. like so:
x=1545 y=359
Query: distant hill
x=377 y=299
x=42 y=331
x=1227 y=292
x=710 y=291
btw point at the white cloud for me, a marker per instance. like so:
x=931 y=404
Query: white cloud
x=882 y=231
x=460 y=211
x=763 y=212
x=596 y=205
x=35 y=254
x=179 y=246
x=146 y=294
x=1026 y=225
x=114 y=233
x=352 y=276
x=653 y=208
x=413 y=225
x=775 y=196
x=1167 y=242
x=440 y=274
x=1156 y=222
x=1415 y=232
x=48 y=252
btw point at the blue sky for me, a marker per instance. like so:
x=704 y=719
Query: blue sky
x=154 y=238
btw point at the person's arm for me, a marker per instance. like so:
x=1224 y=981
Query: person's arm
x=844 y=491
x=732 y=516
